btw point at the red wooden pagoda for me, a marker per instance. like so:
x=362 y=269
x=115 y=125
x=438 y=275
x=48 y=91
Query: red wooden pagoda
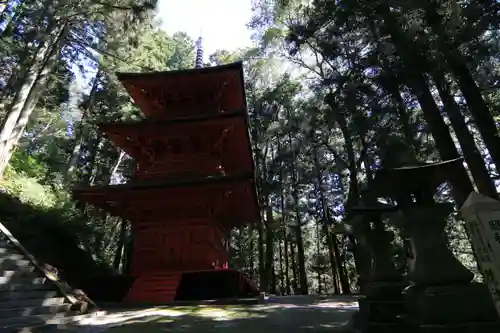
x=193 y=182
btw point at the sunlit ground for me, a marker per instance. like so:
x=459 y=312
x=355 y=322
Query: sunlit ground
x=279 y=314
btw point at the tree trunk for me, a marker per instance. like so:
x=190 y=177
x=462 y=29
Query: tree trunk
x=282 y=277
x=284 y=225
x=318 y=256
x=261 y=161
x=470 y=151
x=239 y=243
x=79 y=132
x=262 y=267
x=353 y=196
x=273 y=280
x=326 y=220
x=129 y=250
x=86 y=171
x=270 y=248
x=298 y=229
x=295 y=274
x=251 y=251
x=23 y=61
x=116 y=167
x=20 y=109
x=117 y=260
x=458 y=67
x=460 y=181
x=286 y=272
x=9 y=87
x=410 y=134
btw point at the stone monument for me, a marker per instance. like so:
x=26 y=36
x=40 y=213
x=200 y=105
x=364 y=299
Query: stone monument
x=482 y=217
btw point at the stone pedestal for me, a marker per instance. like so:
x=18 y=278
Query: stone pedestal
x=441 y=297
x=382 y=307
x=461 y=308
x=383 y=304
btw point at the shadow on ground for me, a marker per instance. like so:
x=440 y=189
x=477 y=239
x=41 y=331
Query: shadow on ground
x=280 y=314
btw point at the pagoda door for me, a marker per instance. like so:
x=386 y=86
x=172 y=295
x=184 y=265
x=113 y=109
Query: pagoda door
x=172 y=247
x=147 y=244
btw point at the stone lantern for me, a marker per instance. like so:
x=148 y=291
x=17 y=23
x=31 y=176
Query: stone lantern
x=382 y=304
x=441 y=296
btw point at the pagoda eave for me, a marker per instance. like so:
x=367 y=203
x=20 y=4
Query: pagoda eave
x=141 y=139
x=138 y=125
x=208 y=181
x=226 y=199
x=119 y=132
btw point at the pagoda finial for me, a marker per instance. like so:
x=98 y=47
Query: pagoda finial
x=199 y=53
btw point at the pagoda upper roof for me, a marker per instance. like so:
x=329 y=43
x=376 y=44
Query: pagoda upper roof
x=170 y=94
x=234 y=66
x=234 y=199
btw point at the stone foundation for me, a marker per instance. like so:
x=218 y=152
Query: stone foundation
x=382 y=308
x=462 y=308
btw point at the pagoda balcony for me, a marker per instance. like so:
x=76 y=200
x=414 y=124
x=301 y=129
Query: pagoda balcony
x=195 y=147
x=231 y=201
x=192 y=167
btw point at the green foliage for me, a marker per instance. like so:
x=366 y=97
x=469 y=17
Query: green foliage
x=48 y=227
x=27 y=165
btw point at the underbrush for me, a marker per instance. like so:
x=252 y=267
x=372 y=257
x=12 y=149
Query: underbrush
x=46 y=223
x=28 y=190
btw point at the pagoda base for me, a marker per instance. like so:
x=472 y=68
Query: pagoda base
x=106 y=288
x=168 y=287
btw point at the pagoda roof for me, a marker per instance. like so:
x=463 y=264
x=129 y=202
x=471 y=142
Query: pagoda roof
x=237 y=65
x=137 y=138
x=160 y=94
x=233 y=198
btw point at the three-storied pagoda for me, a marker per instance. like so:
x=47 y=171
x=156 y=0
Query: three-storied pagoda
x=193 y=182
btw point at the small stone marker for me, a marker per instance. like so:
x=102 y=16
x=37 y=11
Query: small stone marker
x=262 y=297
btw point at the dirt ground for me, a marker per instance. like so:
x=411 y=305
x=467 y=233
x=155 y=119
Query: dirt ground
x=278 y=314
